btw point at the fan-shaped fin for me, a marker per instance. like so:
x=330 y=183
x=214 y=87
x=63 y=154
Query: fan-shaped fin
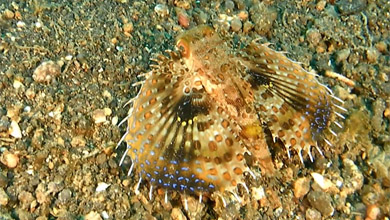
x=180 y=140
x=294 y=105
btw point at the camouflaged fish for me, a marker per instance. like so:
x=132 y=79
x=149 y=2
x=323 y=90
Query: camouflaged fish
x=204 y=107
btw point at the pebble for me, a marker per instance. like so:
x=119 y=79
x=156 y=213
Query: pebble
x=381 y=46
x=199 y=16
x=372 y=212
x=322 y=202
x=348 y=7
x=105 y=215
x=161 y=10
x=378 y=108
x=17 y=84
x=183 y=18
x=99 y=116
x=324 y=183
x=301 y=187
x=236 y=24
x=3 y=181
x=313 y=36
x=263 y=18
x=93 y=216
x=128 y=28
x=102 y=186
x=353 y=177
x=243 y=15
x=41 y=195
x=64 y=196
x=78 y=141
x=13 y=112
x=229 y=5
x=257 y=193
x=26 y=199
x=342 y=55
x=372 y=54
x=321 y=5
x=3 y=197
x=8 y=14
x=46 y=72
x=247 y=26
x=312 y=214
x=177 y=214
x=9 y=159
x=184 y=4
x=14 y=130
x=114 y=120
x=20 y=24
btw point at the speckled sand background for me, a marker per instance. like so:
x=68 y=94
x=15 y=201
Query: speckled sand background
x=66 y=69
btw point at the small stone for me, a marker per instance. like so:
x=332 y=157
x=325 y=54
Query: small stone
x=313 y=36
x=301 y=187
x=321 y=5
x=93 y=216
x=18 y=15
x=14 y=111
x=8 y=14
x=128 y=28
x=46 y=72
x=348 y=7
x=372 y=212
x=342 y=55
x=64 y=196
x=30 y=94
x=17 y=84
x=322 y=202
x=257 y=193
x=183 y=18
x=177 y=214
x=102 y=186
x=14 y=130
x=353 y=177
x=381 y=46
x=161 y=10
x=247 y=26
x=99 y=116
x=236 y=24
x=107 y=111
x=126 y=182
x=229 y=5
x=324 y=183
x=199 y=16
x=3 y=181
x=312 y=214
x=263 y=18
x=9 y=159
x=53 y=187
x=20 y=24
x=243 y=15
x=40 y=194
x=105 y=215
x=3 y=197
x=78 y=141
x=184 y=4
x=114 y=120
x=372 y=55
x=25 y=198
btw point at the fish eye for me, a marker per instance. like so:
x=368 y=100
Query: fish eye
x=183 y=46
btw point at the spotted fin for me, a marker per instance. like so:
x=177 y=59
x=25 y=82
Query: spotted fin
x=179 y=139
x=295 y=106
